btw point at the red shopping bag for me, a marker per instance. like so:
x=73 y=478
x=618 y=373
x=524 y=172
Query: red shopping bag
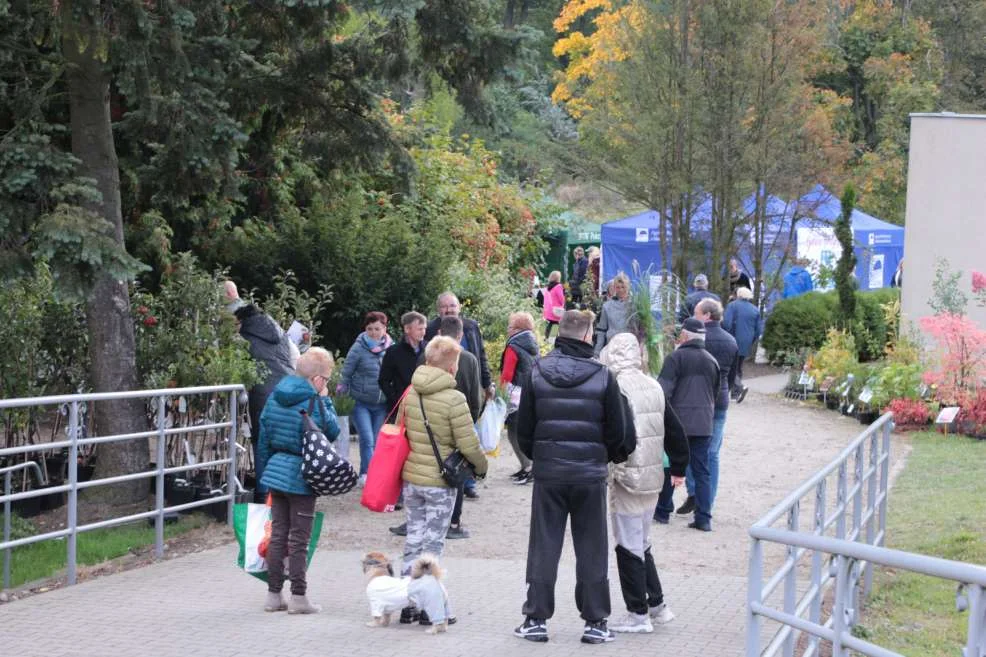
x=384 y=476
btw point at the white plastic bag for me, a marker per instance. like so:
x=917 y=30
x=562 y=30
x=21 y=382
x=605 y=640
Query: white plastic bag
x=490 y=425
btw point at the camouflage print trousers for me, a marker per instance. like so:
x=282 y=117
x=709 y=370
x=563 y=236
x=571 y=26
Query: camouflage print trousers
x=429 y=511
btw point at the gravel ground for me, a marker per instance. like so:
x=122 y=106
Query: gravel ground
x=771 y=445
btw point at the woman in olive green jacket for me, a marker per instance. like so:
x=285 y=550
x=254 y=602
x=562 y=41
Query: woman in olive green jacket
x=428 y=500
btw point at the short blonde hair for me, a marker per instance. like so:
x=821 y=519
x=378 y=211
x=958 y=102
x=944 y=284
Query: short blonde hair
x=442 y=352
x=523 y=321
x=744 y=293
x=555 y=277
x=315 y=362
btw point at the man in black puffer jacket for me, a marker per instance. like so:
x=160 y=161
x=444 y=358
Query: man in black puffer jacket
x=691 y=381
x=572 y=422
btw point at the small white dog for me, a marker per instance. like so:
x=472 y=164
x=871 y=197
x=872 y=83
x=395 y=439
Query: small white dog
x=388 y=595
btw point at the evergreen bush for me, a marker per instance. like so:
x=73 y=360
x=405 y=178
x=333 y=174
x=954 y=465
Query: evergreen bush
x=802 y=322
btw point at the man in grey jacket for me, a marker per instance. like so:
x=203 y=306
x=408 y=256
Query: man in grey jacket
x=690 y=379
x=270 y=345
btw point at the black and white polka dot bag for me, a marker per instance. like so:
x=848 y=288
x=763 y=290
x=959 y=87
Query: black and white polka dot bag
x=322 y=467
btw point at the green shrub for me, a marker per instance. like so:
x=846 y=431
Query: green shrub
x=802 y=322
x=799 y=322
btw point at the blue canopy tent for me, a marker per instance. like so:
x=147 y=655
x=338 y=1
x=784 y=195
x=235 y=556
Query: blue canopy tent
x=879 y=245
x=637 y=238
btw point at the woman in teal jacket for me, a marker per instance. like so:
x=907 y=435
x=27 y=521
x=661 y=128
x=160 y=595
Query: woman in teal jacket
x=279 y=460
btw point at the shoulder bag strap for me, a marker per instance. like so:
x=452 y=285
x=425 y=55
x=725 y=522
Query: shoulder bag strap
x=431 y=436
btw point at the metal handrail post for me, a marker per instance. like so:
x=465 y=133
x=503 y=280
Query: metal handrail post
x=791 y=579
x=231 y=473
x=6 y=530
x=73 y=491
x=817 y=559
x=840 y=496
x=885 y=482
x=871 y=510
x=754 y=596
x=976 y=637
x=162 y=407
x=839 y=624
x=857 y=500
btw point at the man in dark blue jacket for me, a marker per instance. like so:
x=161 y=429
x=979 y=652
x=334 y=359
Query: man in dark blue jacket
x=691 y=381
x=572 y=422
x=722 y=346
x=701 y=291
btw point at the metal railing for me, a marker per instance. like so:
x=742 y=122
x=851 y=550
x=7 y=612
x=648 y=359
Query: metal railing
x=76 y=440
x=858 y=518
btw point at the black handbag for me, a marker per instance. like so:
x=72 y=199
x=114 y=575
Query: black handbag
x=456 y=468
x=322 y=467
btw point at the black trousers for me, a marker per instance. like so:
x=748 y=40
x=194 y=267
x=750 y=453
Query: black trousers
x=735 y=378
x=457 y=509
x=551 y=505
x=639 y=581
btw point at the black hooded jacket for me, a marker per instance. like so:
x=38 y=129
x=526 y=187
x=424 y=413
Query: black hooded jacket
x=268 y=343
x=572 y=419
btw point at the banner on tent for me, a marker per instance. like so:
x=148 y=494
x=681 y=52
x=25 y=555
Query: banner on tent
x=877 y=262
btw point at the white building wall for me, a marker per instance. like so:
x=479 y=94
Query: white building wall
x=946 y=206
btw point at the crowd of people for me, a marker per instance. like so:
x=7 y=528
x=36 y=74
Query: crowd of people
x=601 y=440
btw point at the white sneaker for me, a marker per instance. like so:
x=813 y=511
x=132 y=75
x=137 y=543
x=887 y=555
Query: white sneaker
x=661 y=614
x=631 y=622
x=362 y=481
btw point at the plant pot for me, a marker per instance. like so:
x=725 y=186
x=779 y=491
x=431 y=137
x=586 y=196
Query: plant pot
x=27 y=508
x=217 y=510
x=867 y=417
x=52 y=501
x=179 y=492
x=85 y=472
x=832 y=403
x=55 y=468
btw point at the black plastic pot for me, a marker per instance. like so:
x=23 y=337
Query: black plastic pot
x=85 y=472
x=216 y=510
x=27 y=508
x=52 y=501
x=867 y=417
x=179 y=492
x=832 y=403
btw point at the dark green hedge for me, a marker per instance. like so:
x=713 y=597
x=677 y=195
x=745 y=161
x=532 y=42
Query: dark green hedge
x=801 y=322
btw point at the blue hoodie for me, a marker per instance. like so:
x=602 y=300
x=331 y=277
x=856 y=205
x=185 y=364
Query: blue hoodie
x=279 y=448
x=797 y=281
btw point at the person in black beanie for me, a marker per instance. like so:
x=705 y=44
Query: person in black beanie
x=572 y=422
x=691 y=380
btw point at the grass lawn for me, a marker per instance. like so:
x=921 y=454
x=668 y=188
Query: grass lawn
x=938 y=508
x=45 y=559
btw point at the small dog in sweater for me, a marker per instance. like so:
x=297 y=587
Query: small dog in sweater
x=388 y=594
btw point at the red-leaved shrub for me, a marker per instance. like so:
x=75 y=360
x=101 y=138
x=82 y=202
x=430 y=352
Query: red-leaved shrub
x=910 y=412
x=960 y=356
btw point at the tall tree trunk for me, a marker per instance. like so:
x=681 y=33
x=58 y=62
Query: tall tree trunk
x=111 y=335
x=508 y=14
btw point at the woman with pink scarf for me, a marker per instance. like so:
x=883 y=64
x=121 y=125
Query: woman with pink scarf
x=359 y=377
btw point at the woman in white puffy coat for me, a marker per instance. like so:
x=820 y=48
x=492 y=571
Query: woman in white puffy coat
x=636 y=484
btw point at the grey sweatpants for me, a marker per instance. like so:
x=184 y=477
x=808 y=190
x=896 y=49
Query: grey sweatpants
x=633 y=532
x=429 y=511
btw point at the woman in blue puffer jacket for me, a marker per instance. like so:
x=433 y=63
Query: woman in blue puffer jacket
x=360 y=376
x=279 y=459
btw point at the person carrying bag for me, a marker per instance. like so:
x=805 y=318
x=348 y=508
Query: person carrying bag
x=384 y=478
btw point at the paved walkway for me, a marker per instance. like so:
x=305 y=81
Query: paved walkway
x=201 y=605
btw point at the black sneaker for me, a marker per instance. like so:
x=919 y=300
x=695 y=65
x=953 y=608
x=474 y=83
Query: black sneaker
x=532 y=629
x=456 y=531
x=423 y=618
x=399 y=530
x=409 y=615
x=687 y=507
x=471 y=494
x=597 y=633
x=742 y=394
x=526 y=479
x=520 y=473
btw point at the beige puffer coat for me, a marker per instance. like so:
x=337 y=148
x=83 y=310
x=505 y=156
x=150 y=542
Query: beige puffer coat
x=636 y=484
x=451 y=423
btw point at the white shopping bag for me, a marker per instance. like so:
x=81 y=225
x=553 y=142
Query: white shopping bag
x=490 y=425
